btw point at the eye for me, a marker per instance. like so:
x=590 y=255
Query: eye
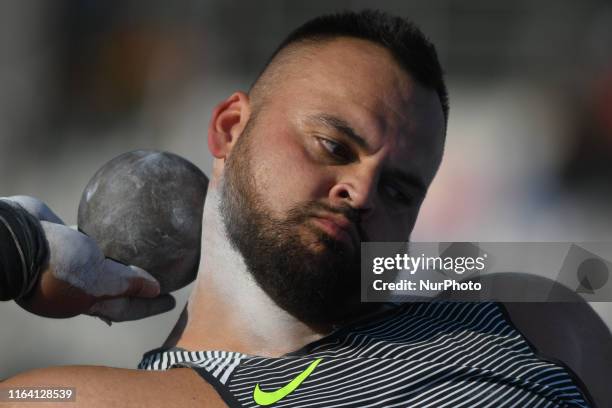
x=335 y=149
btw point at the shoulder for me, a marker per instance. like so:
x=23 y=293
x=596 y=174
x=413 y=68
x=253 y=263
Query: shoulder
x=105 y=386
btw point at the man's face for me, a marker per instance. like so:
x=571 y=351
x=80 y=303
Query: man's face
x=342 y=151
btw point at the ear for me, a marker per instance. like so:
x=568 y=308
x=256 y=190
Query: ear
x=227 y=123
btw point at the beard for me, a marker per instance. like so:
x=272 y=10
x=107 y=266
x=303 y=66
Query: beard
x=306 y=272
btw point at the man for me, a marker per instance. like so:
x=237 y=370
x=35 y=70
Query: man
x=336 y=143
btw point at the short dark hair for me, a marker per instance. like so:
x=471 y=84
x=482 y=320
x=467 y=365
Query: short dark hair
x=406 y=42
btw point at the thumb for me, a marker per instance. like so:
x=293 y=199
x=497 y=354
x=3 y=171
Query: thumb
x=36 y=208
x=129 y=280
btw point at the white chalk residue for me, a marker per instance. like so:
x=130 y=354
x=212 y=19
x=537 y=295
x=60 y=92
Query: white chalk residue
x=91 y=190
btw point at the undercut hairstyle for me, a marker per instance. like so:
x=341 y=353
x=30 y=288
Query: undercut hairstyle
x=405 y=41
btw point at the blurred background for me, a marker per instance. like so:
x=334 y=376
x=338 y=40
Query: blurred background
x=528 y=157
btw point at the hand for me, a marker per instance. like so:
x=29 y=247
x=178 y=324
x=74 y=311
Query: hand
x=35 y=207
x=79 y=279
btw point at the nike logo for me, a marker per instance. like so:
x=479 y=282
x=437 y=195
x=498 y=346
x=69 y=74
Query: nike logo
x=268 y=398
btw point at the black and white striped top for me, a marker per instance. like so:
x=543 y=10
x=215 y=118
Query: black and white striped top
x=443 y=354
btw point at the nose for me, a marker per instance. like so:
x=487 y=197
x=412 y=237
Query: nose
x=356 y=192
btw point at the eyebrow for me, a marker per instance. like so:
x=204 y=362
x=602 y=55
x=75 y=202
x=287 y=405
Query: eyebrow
x=341 y=126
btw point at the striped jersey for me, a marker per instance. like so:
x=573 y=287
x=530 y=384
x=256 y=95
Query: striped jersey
x=436 y=354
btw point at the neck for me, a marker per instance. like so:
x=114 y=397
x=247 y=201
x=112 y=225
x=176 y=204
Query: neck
x=227 y=310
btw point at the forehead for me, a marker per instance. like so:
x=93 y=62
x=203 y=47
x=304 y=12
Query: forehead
x=363 y=84
x=350 y=70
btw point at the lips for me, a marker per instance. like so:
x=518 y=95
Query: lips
x=338 y=227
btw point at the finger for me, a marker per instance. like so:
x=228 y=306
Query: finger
x=128 y=309
x=129 y=280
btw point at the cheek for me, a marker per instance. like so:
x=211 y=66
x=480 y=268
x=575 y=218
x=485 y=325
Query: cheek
x=389 y=227
x=286 y=176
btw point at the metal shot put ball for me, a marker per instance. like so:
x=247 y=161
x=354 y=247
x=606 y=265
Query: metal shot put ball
x=144 y=208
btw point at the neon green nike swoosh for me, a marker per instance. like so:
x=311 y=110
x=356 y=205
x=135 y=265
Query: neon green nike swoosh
x=268 y=398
